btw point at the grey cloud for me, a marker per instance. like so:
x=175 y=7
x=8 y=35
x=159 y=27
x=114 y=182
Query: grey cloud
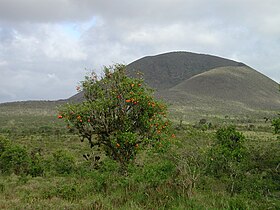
x=47 y=62
x=42 y=11
x=157 y=11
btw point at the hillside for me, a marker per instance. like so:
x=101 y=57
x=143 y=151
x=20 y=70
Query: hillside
x=167 y=70
x=236 y=84
x=190 y=79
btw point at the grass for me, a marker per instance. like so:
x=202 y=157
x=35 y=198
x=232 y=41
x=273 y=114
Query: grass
x=174 y=179
x=240 y=86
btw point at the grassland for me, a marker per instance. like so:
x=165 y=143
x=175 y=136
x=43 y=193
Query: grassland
x=168 y=178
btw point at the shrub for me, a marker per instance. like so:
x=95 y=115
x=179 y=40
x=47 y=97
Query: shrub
x=13 y=158
x=276 y=125
x=4 y=143
x=263 y=177
x=63 y=162
x=156 y=174
x=119 y=114
x=227 y=155
x=37 y=167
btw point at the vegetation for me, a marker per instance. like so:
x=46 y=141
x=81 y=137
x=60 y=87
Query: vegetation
x=119 y=115
x=276 y=123
x=214 y=162
x=227 y=152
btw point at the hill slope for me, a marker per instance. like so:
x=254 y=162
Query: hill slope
x=191 y=79
x=237 y=84
x=198 y=80
x=169 y=69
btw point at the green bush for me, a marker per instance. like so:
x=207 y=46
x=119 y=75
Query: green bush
x=262 y=176
x=227 y=157
x=276 y=125
x=4 y=143
x=63 y=162
x=237 y=203
x=37 y=167
x=14 y=158
x=227 y=152
x=155 y=174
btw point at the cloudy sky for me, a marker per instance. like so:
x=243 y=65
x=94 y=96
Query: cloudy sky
x=47 y=46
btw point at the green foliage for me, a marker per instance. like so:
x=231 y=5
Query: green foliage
x=63 y=162
x=13 y=158
x=120 y=115
x=262 y=176
x=156 y=174
x=276 y=125
x=4 y=144
x=228 y=152
x=16 y=159
x=37 y=166
x=173 y=179
x=68 y=192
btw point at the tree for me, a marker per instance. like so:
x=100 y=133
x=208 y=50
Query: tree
x=119 y=114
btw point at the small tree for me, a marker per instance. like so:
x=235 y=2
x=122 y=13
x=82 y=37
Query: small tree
x=227 y=155
x=119 y=114
x=227 y=152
